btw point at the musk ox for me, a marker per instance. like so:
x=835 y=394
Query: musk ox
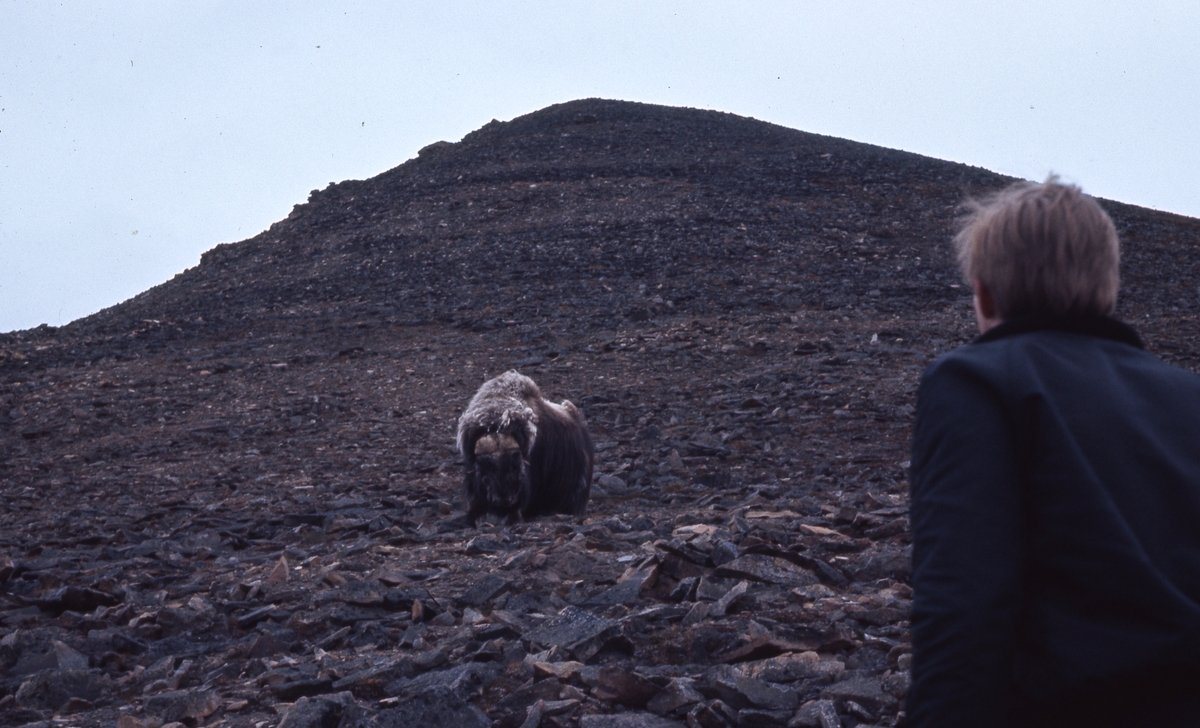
x=523 y=456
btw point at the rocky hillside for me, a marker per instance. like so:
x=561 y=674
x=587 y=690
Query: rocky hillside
x=233 y=500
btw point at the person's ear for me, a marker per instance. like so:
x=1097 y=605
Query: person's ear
x=986 y=315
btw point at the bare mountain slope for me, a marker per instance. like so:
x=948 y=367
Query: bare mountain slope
x=556 y=208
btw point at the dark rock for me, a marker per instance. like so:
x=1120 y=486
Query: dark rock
x=402 y=600
x=723 y=552
x=716 y=714
x=267 y=644
x=722 y=605
x=626 y=591
x=485 y=590
x=371 y=681
x=755 y=718
x=816 y=714
x=891 y=528
x=897 y=683
x=891 y=563
x=253 y=617
x=184 y=621
x=430 y=659
x=75 y=599
x=759 y=642
x=542 y=708
x=432 y=710
x=794 y=666
x=650 y=432
x=696 y=614
x=580 y=632
x=869 y=658
x=363 y=593
x=525 y=696
x=183 y=705
x=740 y=690
x=333 y=711
x=628 y=720
x=685 y=590
x=707 y=444
x=465 y=681
x=50 y=690
x=332 y=639
x=56 y=656
x=125 y=643
x=713 y=589
x=289 y=692
x=864 y=690
x=76 y=705
x=680 y=693
x=859 y=711
x=623 y=687
x=767 y=569
x=483 y=545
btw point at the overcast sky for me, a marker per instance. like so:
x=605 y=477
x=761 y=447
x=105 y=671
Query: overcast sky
x=136 y=135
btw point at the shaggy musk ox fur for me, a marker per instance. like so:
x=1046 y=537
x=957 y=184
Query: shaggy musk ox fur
x=524 y=456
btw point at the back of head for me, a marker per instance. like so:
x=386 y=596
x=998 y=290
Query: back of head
x=1042 y=250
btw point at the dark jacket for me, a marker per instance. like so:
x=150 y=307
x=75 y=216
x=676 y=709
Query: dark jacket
x=1056 y=532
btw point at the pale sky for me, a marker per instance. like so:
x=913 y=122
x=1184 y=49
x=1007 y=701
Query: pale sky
x=136 y=135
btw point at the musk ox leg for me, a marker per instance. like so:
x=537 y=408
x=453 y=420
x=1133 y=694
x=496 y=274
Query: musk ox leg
x=474 y=512
x=476 y=501
x=579 y=505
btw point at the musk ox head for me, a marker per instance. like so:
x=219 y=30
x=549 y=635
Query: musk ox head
x=501 y=473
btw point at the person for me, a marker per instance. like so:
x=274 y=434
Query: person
x=1055 y=483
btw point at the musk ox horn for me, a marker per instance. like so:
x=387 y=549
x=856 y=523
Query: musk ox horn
x=492 y=443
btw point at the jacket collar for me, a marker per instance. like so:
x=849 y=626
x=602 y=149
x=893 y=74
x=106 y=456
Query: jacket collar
x=1100 y=326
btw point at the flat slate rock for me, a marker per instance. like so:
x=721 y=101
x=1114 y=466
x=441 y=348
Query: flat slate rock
x=53 y=688
x=623 y=687
x=462 y=681
x=769 y=569
x=180 y=705
x=679 y=692
x=625 y=592
x=432 y=710
x=740 y=690
x=338 y=710
x=486 y=589
x=794 y=666
x=866 y=691
x=577 y=630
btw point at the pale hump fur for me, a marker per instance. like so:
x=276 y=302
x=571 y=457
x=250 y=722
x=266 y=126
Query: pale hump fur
x=500 y=404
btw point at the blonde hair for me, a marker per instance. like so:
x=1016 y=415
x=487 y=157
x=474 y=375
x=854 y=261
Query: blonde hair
x=1041 y=249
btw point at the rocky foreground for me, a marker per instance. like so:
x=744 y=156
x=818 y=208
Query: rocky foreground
x=234 y=500
x=755 y=608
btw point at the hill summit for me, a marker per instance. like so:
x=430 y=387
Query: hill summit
x=589 y=201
